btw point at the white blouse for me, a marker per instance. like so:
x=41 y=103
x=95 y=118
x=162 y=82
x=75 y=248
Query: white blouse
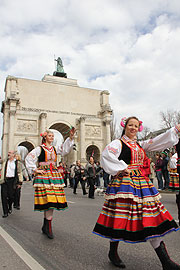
x=10 y=171
x=112 y=165
x=173 y=161
x=32 y=158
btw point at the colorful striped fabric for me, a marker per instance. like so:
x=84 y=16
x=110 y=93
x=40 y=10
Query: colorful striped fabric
x=178 y=162
x=135 y=186
x=49 y=179
x=132 y=211
x=174 y=179
x=49 y=191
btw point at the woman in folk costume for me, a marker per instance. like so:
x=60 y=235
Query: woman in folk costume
x=48 y=182
x=178 y=171
x=132 y=211
x=174 y=176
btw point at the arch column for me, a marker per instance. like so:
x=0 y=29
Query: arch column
x=108 y=131
x=11 y=129
x=12 y=102
x=42 y=123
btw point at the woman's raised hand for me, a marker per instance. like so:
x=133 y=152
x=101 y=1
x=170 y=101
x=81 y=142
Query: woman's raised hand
x=72 y=132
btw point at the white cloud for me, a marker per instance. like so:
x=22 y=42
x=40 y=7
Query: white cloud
x=130 y=49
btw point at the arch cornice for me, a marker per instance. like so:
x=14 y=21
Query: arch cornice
x=59 y=121
x=90 y=144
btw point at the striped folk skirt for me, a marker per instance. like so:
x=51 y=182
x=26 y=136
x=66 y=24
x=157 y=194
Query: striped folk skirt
x=132 y=211
x=49 y=190
x=174 y=179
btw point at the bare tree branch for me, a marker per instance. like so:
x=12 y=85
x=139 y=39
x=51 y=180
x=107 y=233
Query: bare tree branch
x=143 y=135
x=170 y=118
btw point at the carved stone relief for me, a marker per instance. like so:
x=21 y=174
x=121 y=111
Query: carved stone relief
x=92 y=131
x=26 y=125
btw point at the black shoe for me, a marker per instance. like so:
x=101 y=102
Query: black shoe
x=116 y=260
x=113 y=255
x=18 y=207
x=85 y=193
x=91 y=197
x=5 y=215
x=75 y=192
x=10 y=211
x=164 y=258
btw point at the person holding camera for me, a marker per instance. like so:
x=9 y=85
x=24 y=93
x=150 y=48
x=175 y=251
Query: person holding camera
x=79 y=177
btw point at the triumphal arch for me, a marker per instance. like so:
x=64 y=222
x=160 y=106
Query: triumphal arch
x=31 y=106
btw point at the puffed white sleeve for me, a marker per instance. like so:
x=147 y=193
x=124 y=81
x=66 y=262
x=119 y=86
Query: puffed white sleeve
x=65 y=147
x=31 y=159
x=109 y=159
x=162 y=141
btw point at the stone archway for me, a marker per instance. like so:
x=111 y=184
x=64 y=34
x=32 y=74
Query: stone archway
x=63 y=129
x=24 y=118
x=93 y=150
x=22 y=149
x=27 y=144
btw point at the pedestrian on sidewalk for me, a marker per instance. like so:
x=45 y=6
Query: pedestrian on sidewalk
x=66 y=173
x=11 y=176
x=178 y=171
x=91 y=170
x=165 y=171
x=48 y=182
x=79 y=177
x=132 y=211
x=97 y=181
x=152 y=169
x=18 y=185
x=72 y=175
x=158 y=170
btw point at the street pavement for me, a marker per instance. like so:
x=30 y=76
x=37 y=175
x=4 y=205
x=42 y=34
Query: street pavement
x=74 y=246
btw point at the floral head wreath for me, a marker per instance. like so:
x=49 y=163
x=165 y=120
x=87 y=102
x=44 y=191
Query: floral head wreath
x=123 y=124
x=43 y=134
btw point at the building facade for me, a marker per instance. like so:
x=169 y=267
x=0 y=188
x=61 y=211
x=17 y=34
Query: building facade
x=31 y=106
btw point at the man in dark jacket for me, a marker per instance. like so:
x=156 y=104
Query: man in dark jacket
x=91 y=170
x=11 y=176
x=79 y=177
x=165 y=171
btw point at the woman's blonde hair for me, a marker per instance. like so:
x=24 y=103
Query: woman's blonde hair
x=17 y=156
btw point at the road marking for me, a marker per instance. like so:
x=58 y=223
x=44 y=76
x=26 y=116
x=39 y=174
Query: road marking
x=70 y=202
x=32 y=263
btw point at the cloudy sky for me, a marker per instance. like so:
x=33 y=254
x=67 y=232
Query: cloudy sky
x=129 y=47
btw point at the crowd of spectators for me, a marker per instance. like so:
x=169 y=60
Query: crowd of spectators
x=90 y=176
x=164 y=169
